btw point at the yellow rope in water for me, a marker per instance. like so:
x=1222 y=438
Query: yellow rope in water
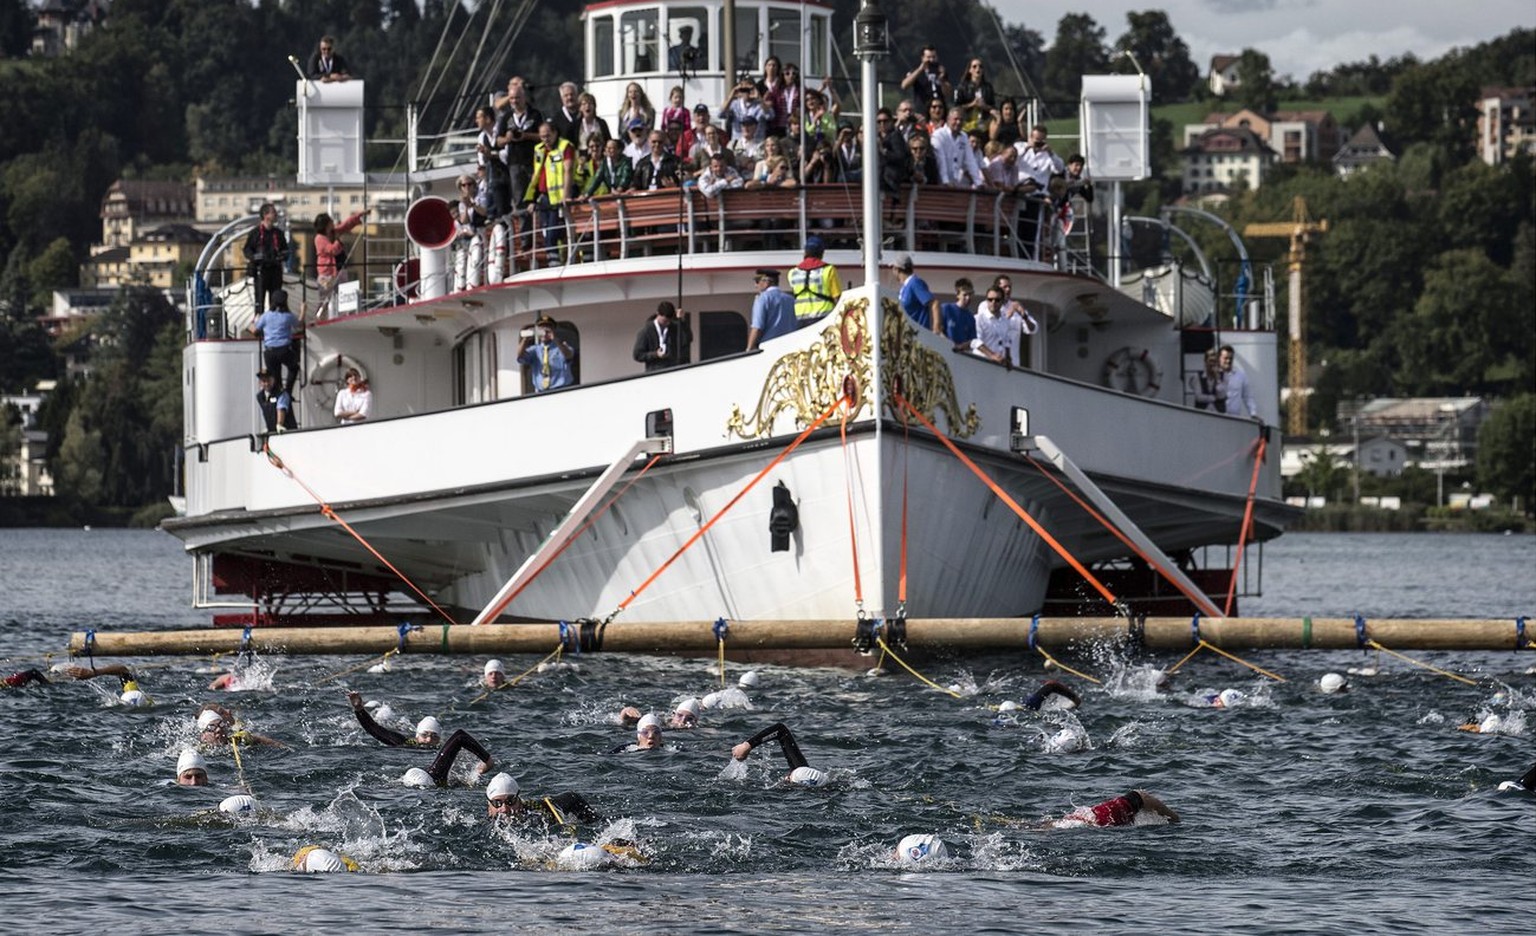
x=1432 y=669
x=1175 y=667
x=1238 y=659
x=1064 y=667
x=239 y=767
x=887 y=650
x=352 y=669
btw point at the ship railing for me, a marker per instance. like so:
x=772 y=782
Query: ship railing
x=670 y=221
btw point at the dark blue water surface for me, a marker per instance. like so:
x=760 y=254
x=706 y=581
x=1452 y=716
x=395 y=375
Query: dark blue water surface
x=1303 y=812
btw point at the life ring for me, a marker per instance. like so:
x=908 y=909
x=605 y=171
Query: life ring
x=327 y=377
x=1133 y=370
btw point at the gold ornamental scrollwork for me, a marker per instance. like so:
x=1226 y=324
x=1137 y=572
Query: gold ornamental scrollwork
x=924 y=376
x=807 y=382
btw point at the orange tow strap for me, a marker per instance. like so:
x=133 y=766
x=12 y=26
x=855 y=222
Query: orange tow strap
x=1242 y=537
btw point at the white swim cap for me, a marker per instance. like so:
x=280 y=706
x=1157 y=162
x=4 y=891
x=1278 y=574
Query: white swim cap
x=748 y=680
x=1007 y=706
x=383 y=712
x=1490 y=724
x=382 y=667
x=321 y=861
x=239 y=803
x=1332 y=682
x=712 y=700
x=1066 y=741
x=1230 y=697
x=579 y=856
x=807 y=776
x=503 y=784
x=689 y=705
x=416 y=777
x=133 y=698
x=648 y=721
x=429 y=724
x=494 y=666
x=208 y=719
x=916 y=849
x=190 y=760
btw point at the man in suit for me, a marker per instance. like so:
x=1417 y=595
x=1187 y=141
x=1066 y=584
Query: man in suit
x=326 y=64
x=664 y=341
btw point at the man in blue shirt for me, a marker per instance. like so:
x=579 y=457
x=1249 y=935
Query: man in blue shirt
x=773 y=311
x=279 y=330
x=916 y=299
x=959 y=320
x=547 y=357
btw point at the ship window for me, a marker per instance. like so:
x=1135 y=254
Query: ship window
x=602 y=46
x=721 y=333
x=784 y=38
x=639 y=40
x=696 y=21
x=748 y=43
x=816 y=50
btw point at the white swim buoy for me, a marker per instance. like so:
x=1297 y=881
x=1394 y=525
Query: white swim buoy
x=1133 y=370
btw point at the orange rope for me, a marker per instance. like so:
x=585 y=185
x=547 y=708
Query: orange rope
x=1242 y=536
x=328 y=511
x=1003 y=496
x=574 y=537
x=853 y=536
x=906 y=452
x=1116 y=531
x=733 y=501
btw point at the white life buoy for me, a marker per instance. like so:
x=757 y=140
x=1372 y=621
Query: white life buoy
x=1133 y=370
x=329 y=376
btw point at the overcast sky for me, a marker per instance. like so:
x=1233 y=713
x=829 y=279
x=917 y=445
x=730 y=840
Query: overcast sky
x=1299 y=36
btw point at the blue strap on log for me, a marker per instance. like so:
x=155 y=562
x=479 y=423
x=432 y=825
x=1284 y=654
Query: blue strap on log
x=722 y=629
x=1360 y=631
x=1034 y=632
x=245 y=643
x=90 y=646
x=1520 y=639
x=565 y=641
x=1194 y=630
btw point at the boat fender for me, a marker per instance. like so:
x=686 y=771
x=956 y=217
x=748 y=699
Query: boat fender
x=784 y=519
x=1133 y=370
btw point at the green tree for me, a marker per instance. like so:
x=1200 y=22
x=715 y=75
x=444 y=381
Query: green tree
x=1435 y=103
x=15 y=28
x=1078 y=51
x=77 y=471
x=1460 y=329
x=1506 y=450
x=1323 y=475
x=54 y=268
x=1161 y=54
x=1255 y=81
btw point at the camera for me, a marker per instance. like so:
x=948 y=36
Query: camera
x=527 y=332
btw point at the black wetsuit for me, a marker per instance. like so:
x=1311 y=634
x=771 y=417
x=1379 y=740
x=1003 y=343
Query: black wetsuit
x=562 y=808
x=780 y=733
x=383 y=735
x=1529 y=780
x=1049 y=688
x=457 y=741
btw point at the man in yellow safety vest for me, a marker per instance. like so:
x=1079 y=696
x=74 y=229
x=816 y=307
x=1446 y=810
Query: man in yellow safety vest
x=553 y=182
x=814 y=284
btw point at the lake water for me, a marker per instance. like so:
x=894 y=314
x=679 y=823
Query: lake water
x=1302 y=812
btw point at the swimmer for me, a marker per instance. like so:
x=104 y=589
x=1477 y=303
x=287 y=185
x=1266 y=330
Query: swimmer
x=647 y=735
x=919 y=849
x=686 y=715
x=216 y=727
x=729 y=697
x=1332 y=682
x=748 y=680
x=133 y=696
x=495 y=674
x=428 y=731
x=1226 y=698
x=1122 y=810
x=437 y=773
x=312 y=859
x=1049 y=692
x=503 y=802
x=1489 y=725
x=191 y=769
x=31 y=676
x=800 y=771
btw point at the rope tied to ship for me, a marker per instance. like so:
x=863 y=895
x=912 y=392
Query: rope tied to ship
x=1421 y=664
x=1067 y=669
x=722 y=630
x=357 y=666
x=853 y=536
x=1247 y=527
x=1013 y=505
x=331 y=514
x=705 y=527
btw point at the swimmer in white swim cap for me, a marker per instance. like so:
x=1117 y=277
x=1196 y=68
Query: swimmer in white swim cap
x=502 y=801
x=917 y=849
x=648 y=733
x=1333 y=682
x=686 y=715
x=437 y=773
x=748 y=680
x=494 y=675
x=312 y=859
x=800 y=772
x=191 y=769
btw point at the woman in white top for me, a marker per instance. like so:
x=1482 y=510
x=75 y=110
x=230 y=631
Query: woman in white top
x=355 y=401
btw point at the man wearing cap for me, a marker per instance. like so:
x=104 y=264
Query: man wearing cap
x=637 y=144
x=916 y=299
x=503 y=801
x=683 y=58
x=191 y=769
x=546 y=357
x=665 y=340
x=814 y=284
x=276 y=410
x=694 y=135
x=773 y=311
x=495 y=674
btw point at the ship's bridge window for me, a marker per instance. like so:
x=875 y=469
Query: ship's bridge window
x=602 y=46
x=693 y=55
x=749 y=55
x=639 y=42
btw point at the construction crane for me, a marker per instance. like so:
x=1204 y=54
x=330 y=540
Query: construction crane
x=1298 y=229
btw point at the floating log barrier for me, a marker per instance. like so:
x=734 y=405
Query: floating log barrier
x=934 y=635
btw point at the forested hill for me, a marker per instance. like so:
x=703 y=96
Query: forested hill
x=1425 y=284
